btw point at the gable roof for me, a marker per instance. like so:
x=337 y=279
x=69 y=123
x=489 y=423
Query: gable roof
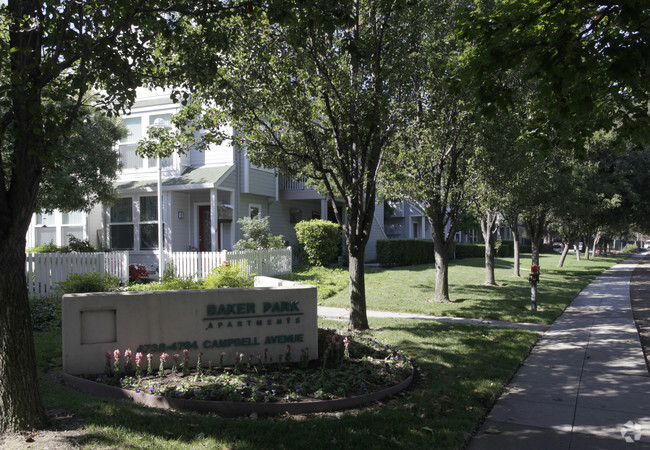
x=191 y=178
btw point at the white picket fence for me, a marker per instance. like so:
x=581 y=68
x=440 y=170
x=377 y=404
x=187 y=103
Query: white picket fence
x=260 y=262
x=45 y=270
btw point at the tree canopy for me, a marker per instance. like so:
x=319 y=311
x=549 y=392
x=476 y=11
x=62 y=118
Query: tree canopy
x=83 y=174
x=315 y=98
x=590 y=60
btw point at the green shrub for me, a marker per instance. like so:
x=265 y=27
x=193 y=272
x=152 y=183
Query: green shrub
x=88 y=282
x=505 y=249
x=630 y=248
x=45 y=312
x=79 y=245
x=228 y=276
x=51 y=247
x=170 y=284
x=257 y=235
x=319 y=240
x=470 y=250
x=525 y=249
x=404 y=252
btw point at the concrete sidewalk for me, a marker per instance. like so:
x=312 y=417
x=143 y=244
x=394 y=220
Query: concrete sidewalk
x=585 y=384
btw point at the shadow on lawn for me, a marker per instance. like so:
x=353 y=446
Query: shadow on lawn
x=461 y=370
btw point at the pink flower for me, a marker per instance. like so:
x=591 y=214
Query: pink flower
x=346 y=341
x=117 y=355
x=127 y=353
x=149 y=357
x=138 y=358
x=108 y=355
x=186 y=355
x=164 y=357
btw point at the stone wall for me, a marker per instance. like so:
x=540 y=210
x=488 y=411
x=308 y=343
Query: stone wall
x=216 y=322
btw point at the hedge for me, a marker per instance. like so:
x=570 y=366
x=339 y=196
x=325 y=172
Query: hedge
x=407 y=252
x=404 y=252
x=470 y=251
x=506 y=250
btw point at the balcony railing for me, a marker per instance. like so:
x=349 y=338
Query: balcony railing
x=292 y=184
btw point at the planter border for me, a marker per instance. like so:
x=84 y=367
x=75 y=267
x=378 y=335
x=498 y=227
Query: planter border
x=232 y=409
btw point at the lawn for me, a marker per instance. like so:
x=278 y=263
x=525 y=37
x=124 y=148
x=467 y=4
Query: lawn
x=460 y=370
x=410 y=289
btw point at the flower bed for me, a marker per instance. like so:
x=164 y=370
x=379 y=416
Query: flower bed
x=349 y=371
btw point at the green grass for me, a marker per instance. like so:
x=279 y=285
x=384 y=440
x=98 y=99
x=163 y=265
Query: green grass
x=410 y=289
x=330 y=280
x=460 y=370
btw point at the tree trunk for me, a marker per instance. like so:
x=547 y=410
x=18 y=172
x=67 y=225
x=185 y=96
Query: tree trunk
x=441 y=292
x=488 y=228
x=595 y=244
x=442 y=243
x=514 y=227
x=20 y=400
x=515 y=249
x=565 y=251
x=587 y=242
x=536 y=226
x=578 y=252
x=358 y=316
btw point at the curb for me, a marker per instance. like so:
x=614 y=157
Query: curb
x=231 y=409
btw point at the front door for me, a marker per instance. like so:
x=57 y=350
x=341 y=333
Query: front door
x=205 y=235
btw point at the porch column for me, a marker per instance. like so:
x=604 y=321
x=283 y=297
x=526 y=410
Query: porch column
x=214 y=215
x=422 y=228
x=323 y=209
x=167 y=222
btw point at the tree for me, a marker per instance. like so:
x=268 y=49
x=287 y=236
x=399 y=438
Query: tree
x=590 y=61
x=314 y=99
x=257 y=235
x=55 y=53
x=430 y=168
x=82 y=173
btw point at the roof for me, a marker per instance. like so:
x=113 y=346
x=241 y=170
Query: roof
x=191 y=178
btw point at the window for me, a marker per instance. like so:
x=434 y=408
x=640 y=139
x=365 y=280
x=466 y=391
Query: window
x=45 y=219
x=148 y=236
x=72 y=218
x=165 y=162
x=121 y=230
x=122 y=210
x=129 y=144
x=254 y=211
x=148 y=231
x=148 y=209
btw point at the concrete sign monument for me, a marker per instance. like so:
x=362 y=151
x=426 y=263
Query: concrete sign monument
x=217 y=322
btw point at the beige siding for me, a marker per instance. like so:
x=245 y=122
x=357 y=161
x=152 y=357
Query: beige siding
x=261 y=182
x=180 y=227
